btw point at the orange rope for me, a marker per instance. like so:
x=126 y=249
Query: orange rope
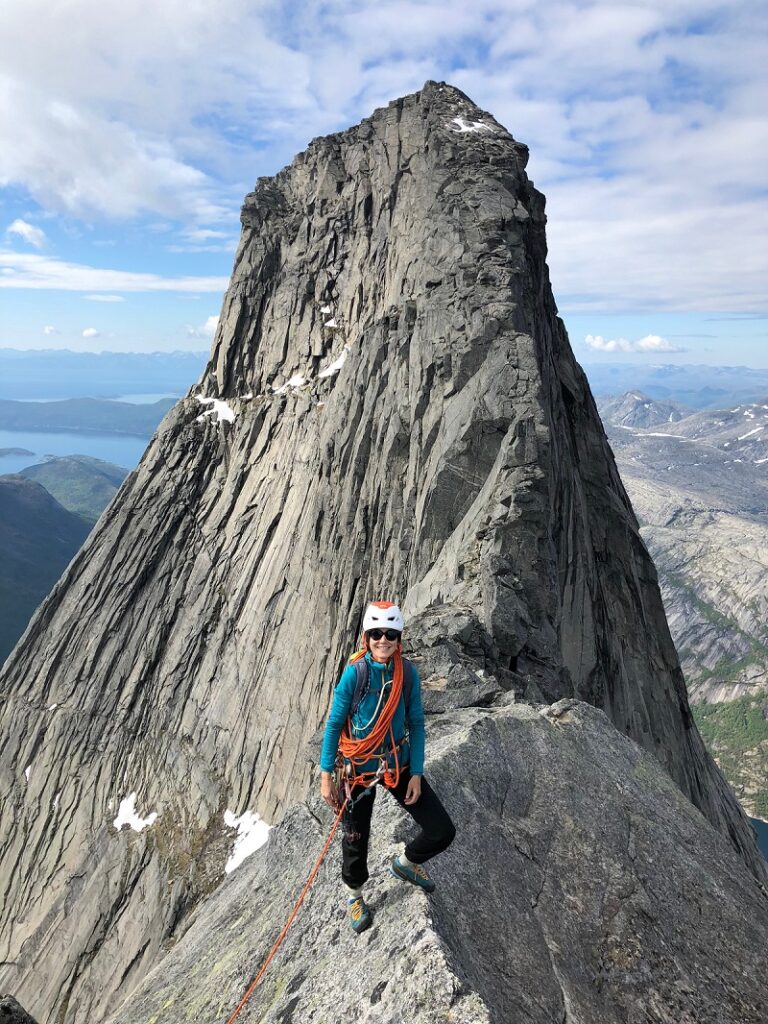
x=293 y=914
x=358 y=752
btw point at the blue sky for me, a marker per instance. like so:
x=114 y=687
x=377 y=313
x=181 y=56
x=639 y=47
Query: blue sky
x=132 y=132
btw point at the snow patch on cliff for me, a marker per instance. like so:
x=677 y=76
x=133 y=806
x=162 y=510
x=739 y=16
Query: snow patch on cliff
x=252 y=832
x=126 y=815
x=296 y=381
x=218 y=409
x=335 y=366
x=473 y=126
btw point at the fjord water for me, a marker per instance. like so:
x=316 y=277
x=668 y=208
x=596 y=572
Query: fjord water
x=761 y=828
x=120 y=449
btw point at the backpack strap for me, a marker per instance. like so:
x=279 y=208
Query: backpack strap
x=361 y=685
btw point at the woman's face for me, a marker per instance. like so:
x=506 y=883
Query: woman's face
x=382 y=649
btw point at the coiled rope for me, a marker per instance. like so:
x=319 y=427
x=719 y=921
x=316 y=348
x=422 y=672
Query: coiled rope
x=359 y=752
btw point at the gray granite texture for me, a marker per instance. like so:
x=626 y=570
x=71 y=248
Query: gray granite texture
x=581 y=886
x=404 y=419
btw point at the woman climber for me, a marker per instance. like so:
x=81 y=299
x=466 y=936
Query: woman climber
x=376 y=701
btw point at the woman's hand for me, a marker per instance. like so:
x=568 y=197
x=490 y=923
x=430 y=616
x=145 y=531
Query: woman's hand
x=328 y=790
x=413 y=792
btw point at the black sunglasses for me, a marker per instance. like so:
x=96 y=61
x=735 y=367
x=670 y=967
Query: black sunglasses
x=377 y=634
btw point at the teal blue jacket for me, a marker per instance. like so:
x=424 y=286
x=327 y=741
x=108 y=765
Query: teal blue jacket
x=411 y=752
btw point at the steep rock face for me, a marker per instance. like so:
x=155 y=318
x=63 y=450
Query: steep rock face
x=551 y=904
x=403 y=417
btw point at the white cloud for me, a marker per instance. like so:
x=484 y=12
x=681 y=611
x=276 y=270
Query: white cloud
x=28 y=270
x=147 y=128
x=105 y=298
x=654 y=343
x=653 y=168
x=31 y=234
x=618 y=345
x=204 y=240
x=91 y=332
x=650 y=343
x=229 y=246
x=206 y=330
x=204 y=234
x=49 y=329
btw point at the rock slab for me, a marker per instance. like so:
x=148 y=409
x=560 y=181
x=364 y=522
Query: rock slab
x=582 y=886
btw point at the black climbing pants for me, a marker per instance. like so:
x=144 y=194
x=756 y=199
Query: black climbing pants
x=437 y=829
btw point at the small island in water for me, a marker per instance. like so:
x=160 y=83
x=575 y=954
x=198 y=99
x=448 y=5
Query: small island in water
x=15 y=451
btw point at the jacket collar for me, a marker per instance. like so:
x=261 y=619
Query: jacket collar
x=377 y=665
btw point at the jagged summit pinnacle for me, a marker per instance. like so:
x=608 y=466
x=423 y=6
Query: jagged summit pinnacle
x=437 y=106
x=391 y=409
x=340 y=212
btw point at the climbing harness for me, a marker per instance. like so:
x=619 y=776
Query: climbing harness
x=358 y=752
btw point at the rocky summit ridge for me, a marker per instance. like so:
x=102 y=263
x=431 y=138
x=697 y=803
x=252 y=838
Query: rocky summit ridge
x=582 y=886
x=391 y=408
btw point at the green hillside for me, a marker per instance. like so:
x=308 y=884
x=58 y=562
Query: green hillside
x=38 y=539
x=736 y=734
x=78 y=482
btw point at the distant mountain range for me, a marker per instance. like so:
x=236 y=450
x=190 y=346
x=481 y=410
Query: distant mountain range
x=635 y=409
x=38 y=539
x=79 y=483
x=693 y=385
x=698 y=484
x=89 y=415
x=59 y=373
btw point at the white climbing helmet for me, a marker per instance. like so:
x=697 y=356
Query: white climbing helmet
x=383 y=615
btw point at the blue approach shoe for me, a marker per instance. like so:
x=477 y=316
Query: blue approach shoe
x=360 y=916
x=415 y=875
